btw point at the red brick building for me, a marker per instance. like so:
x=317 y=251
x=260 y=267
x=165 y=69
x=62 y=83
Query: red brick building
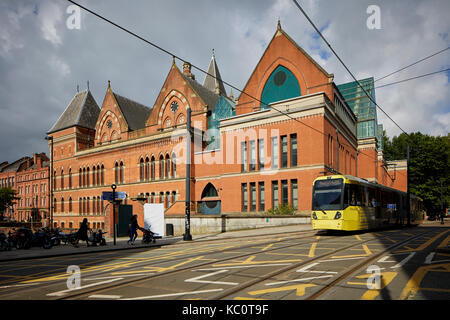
x=252 y=154
x=30 y=177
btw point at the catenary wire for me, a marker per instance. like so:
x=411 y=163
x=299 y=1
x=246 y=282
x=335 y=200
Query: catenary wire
x=205 y=72
x=345 y=66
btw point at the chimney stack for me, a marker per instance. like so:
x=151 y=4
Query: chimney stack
x=187 y=70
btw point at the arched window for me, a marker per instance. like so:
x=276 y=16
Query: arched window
x=70 y=178
x=152 y=168
x=281 y=85
x=147 y=169
x=98 y=175
x=80 y=206
x=80 y=177
x=62 y=205
x=167 y=167
x=121 y=172
x=102 y=175
x=87 y=177
x=161 y=167
x=209 y=191
x=116 y=172
x=94 y=180
x=54 y=180
x=84 y=177
x=87 y=205
x=173 y=168
x=142 y=168
x=62 y=178
x=54 y=205
x=70 y=204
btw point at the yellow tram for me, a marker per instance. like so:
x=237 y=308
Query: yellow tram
x=343 y=202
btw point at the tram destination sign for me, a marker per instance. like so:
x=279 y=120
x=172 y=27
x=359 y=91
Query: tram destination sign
x=328 y=183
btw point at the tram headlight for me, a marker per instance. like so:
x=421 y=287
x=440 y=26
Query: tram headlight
x=314 y=216
x=338 y=215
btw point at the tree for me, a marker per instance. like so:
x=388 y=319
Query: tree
x=7 y=198
x=429 y=162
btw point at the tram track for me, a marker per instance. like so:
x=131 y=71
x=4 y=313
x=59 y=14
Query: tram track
x=328 y=285
x=231 y=291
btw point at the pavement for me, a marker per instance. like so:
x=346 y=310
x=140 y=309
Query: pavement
x=122 y=243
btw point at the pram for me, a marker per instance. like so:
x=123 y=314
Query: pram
x=148 y=236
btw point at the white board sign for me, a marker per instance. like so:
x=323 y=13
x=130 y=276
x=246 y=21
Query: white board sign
x=154 y=218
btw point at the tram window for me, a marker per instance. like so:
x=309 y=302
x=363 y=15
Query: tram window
x=353 y=195
x=372 y=197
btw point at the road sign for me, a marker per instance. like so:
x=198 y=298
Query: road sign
x=108 y=195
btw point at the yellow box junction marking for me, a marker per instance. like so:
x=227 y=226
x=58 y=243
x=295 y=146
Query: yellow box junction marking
x=299 y=288
x=371 y=294
x=413 y=285
x=249 y=261
x=364 y=247
x=423 y=245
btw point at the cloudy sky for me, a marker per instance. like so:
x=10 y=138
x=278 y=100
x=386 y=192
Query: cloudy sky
x=42 y=60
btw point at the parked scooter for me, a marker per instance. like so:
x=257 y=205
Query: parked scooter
x=43 y=238
x=20 y=238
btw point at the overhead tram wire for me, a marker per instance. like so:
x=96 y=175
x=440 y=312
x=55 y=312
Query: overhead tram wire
x=412 y=64
x=342 y=62
x=201 y=70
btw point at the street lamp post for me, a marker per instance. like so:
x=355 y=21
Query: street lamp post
x=187 y=235
x=51 y=181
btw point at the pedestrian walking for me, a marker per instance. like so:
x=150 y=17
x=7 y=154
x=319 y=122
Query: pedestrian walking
x=442 y=217
x=133 y=229
x=82 y=233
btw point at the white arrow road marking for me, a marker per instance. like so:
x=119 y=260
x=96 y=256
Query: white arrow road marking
x=114 y=277
x=430 y=258
x=63 y=292
x=401 y=263
x=104 y=296
x=305 y=269
x=197 y=279
x=297 y=280
x=172 y=294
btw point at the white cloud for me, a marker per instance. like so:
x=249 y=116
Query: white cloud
x=61 y=67
x=50 y=17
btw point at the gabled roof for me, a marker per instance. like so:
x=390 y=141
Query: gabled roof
x=213 y=79
x=82 y=111
x=15 y=165
x=208 y=96
x=135 y=114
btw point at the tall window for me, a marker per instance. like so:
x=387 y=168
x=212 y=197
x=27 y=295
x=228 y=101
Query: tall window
x=62 y=179
x=294 y=190
x=87 y=177
x=121 y=172
x=284 y=192
x=261 y=205
x=260 y=154
x=70 y=178
x=152 y=168
x=62 y=205
x=253 y=196
x=174 y=166
x=293 y=150
x=274 y=194
x=167 y=167
x=284 y=152
x=244 y=156
x=70 y=204
x=252 y=155
x=116 y=172
x=161 y=167
x=274 y=152
x=244 y=197
x=103 y=175
x=142 y=168
x=94 y=177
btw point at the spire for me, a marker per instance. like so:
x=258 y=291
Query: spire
x=213 y=79
x=279 y=24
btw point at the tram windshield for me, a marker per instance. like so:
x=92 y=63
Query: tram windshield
x=327 y=194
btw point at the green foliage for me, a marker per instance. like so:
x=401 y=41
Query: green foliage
x=7 y=197
x=286 y=209
x=429 y=164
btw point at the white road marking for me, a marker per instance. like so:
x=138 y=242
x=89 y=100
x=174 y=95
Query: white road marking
x=113 y=277
x=245 y=266
x=63 y=292
x=332 y=260
x=19 y=285
x=173 y=294
x=430 y=257
x=401 y=263
x=197 y=279
x=104 y=296
x=297 y=280
x=305 y=269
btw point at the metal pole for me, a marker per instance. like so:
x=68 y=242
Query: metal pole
x=187 y=235
x=408 y=193
x=114 y=210
x=442 y=205
x=51 y=180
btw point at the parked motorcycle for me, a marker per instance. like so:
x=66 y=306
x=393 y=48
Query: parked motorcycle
x=20 y=238
x=4 y=243
x=42 y=237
